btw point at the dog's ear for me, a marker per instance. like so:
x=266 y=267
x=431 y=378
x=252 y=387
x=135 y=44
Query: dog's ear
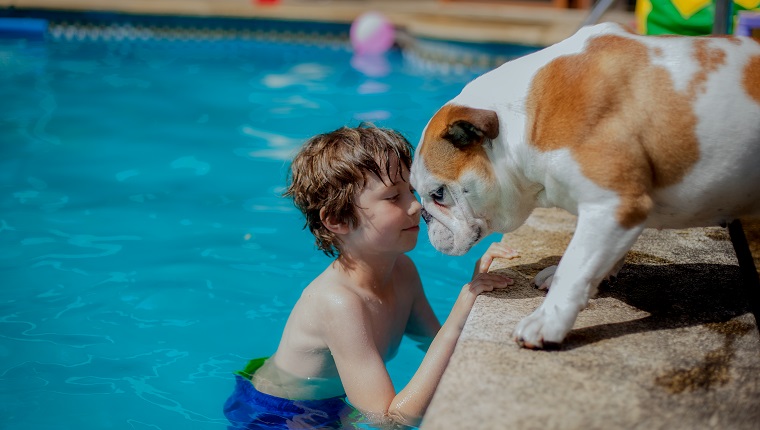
x=468 y=125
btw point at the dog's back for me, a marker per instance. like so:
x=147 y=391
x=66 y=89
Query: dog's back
x=718 y=79
x=671 y=124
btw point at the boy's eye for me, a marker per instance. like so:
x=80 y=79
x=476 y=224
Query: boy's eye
x=392 y=198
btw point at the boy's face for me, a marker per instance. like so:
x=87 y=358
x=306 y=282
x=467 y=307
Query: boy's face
x=388 y=214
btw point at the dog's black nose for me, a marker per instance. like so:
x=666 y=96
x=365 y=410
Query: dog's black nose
x=425 y=215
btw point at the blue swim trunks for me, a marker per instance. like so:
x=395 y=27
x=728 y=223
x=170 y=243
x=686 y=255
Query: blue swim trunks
x=248 y=409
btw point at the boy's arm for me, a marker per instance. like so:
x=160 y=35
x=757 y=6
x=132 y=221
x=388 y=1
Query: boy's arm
x=410 y=404
x=349 y=335
x=423 y=325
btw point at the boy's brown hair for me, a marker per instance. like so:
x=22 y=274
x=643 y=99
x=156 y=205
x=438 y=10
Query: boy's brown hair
x=330 y=170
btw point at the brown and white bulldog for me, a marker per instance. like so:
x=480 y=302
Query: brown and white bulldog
x=625 y=131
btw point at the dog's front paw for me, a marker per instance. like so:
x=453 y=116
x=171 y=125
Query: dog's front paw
x=545 y=328
x=543 y=280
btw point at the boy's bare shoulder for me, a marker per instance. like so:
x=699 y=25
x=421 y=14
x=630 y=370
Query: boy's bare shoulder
x=406 y=265
x=332 y=295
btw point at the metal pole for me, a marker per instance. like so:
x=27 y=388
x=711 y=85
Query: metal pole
x=747 y=269
x=597 y=11
x=723 y=16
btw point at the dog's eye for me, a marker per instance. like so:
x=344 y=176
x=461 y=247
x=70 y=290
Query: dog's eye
x=437 y=195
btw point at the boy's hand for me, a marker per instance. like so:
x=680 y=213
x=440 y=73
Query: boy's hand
x=496 y=250
x=482 y=282
x=488 y=282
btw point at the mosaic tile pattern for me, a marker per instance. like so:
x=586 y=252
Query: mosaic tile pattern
x=131 y=32
x=135 y=28
x=451 y=57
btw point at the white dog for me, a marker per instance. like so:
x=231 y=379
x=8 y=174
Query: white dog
x=625 y=131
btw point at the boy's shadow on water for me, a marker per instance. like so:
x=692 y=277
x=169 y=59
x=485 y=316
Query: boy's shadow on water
x=675 y=295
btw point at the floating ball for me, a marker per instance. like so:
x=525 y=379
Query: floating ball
x=371 y=34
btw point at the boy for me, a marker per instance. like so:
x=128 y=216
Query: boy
x=352 y=186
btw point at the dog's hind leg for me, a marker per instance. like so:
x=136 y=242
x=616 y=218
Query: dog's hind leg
x=612 y=276
x=596 y=249
x=544 y=278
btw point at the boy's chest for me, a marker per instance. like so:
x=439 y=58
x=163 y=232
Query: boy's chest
x=389 y=317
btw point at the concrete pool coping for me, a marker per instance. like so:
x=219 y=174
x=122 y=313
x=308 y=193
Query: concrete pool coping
x=673 y=344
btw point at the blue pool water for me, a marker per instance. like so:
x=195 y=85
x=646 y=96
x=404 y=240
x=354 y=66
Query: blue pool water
x=145 y=251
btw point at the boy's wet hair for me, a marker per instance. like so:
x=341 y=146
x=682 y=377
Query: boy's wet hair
x=330 y=171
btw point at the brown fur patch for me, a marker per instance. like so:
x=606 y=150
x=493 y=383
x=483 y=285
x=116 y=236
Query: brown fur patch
x=442 y=158
x=751 y=79
x=733 y=39
x=709 y=59
x=621 y=117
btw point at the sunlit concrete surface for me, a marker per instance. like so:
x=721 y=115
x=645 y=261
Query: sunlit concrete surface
x=671 y=345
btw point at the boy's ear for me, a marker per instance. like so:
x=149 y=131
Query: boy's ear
x=332 y=224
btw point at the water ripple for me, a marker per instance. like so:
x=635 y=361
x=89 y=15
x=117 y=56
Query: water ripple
x=144 y=390
x=215 y=367
x=88 y=241
x=12 y=329
x=189 y=162
x=45 y=200
x=58 y=265
x=124 y=319
x=138 y=425
x=5 y=227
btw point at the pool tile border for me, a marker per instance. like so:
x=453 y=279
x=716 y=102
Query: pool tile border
x=112 y=26
x=431 y=54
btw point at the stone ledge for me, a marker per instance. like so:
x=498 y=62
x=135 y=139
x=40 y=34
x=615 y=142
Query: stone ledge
x=671 y=345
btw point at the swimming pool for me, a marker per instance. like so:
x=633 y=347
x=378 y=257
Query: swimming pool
x=145 y=252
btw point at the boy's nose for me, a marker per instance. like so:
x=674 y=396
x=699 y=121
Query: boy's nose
x=415 y=207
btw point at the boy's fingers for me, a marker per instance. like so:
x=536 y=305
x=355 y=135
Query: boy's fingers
x=507 y=249
x=485 y=263
x=502 y=251
x=499 y=279
x=508 y=252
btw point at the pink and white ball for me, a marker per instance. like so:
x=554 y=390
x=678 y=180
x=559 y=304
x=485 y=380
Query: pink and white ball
x=372 y=34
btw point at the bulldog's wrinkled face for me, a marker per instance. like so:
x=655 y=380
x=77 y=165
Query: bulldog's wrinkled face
x=454 y=177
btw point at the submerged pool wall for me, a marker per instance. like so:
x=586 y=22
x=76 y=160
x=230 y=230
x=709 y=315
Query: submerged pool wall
x=435 y=54
x=120 y=26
